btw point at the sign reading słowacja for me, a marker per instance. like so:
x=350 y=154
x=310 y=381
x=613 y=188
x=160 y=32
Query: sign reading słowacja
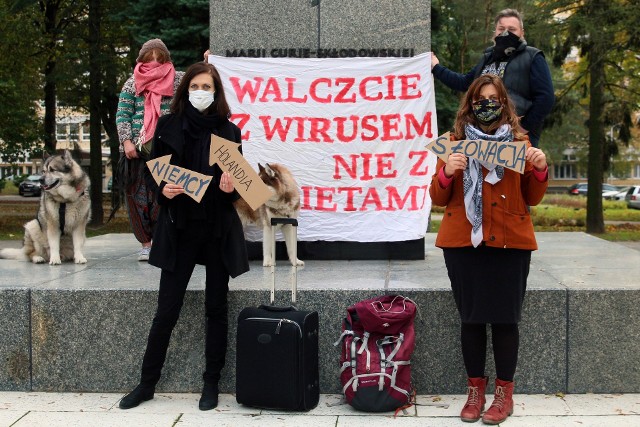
x=351 y=130
x=510 y=154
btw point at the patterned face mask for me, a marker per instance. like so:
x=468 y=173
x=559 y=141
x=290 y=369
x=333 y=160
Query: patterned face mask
x=487 y=111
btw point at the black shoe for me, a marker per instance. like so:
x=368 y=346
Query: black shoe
x=209 y=398
x=137 y=396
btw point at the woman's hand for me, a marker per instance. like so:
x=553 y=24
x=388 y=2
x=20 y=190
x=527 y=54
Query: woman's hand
x=172 y=190
x=226 y=184
x=456 y=161
x=537 y=158
x=434 y=60
x=130 y=149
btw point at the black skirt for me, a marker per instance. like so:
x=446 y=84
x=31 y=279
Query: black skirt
x=488 y=283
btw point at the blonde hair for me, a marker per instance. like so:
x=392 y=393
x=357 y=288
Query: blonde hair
x=509 y=13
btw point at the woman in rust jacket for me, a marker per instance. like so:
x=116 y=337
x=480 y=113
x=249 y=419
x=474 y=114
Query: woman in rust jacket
x=487 y=238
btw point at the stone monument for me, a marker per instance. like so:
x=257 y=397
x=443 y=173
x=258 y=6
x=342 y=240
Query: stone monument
x=323 y=29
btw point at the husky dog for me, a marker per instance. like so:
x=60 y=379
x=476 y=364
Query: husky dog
x=58 y=233
x=285 y=203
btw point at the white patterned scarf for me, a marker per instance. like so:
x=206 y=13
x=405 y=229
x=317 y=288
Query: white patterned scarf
x=472 y=178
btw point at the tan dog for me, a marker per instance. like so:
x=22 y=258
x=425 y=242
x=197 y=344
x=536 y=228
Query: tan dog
x=58 y=233
x=285 y=203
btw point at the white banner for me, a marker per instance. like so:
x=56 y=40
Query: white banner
x=351 y=130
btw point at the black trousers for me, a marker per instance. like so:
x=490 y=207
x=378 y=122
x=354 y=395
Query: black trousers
x=194 y=243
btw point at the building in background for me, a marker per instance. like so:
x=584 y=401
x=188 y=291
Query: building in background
x=72 y=133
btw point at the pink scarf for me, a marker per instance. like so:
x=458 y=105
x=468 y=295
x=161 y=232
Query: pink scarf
x=153 y=80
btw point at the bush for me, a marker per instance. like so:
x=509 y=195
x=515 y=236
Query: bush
x=3 y=182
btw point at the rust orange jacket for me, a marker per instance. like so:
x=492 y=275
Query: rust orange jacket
x=505 y=219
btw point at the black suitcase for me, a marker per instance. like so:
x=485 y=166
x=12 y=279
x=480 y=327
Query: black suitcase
x=277 y=351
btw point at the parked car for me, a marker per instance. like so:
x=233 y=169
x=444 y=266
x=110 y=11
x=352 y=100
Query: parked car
x=633 y=197
x=580 y=188
x=620 y=195
x=30 y=186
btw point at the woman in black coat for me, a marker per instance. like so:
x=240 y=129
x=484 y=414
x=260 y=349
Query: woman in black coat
x=190 y=233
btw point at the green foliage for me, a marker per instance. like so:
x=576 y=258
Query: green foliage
x=20 y=89
x=566 y=210
x=565 y=30
x=563 y=212
x=183 y=25
x=458 y=38
x=3 y=183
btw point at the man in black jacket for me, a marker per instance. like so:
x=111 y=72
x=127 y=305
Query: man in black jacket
x=523 y=69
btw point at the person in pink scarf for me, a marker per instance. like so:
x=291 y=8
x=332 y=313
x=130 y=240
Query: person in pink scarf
x=145 y=96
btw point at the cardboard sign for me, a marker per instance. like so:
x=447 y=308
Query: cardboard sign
x=510 y=154
x=195 y=184
x=245 y=180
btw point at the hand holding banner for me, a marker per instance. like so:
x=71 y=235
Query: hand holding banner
x=195 y=184
x=245 y=180
x=509 y=154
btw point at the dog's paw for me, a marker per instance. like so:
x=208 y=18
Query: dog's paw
x=37 y=259
x=299 y=263
x=55 y=261
x=267 y=263
x=79 y=259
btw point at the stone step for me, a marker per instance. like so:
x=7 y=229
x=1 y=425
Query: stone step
x=84 y=327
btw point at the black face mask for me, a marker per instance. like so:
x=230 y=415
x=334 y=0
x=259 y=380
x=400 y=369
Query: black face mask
x=487 y=111
x=506 y=44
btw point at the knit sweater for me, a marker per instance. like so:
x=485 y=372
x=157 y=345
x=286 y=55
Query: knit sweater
x=130 y=114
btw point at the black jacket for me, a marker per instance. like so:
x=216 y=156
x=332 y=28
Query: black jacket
x=527 y=78
x=169 y=139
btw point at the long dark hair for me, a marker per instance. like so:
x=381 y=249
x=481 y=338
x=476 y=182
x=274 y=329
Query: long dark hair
x=465 y=112
x=180 y=99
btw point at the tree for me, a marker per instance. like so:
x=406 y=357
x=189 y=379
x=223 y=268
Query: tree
x=605 y=76
x=51 y=18
x=20 y=128
x=183 y=25
x=95 y=95
x=107 y=56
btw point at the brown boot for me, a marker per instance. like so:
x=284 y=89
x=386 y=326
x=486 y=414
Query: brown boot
x=502 y=405
x=472 y=410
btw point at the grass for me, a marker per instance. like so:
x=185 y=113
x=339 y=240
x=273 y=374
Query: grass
x=554 y=213
x=9 y=189
x=569 y=213
x=13 y=216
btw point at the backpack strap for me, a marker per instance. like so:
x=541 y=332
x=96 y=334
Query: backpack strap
x=365 y=347
x=354 y=374
x=399 y=342
x=387 y=361
x=344 y=334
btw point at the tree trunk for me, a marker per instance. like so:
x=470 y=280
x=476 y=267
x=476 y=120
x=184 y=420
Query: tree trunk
x=95 y=94
x=49 y=107
x=50 y=10
x=595 y=215
x=110 y=92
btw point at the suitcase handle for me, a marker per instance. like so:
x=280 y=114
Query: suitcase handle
x=278 y=308
x=276 y=221
x=294 y=279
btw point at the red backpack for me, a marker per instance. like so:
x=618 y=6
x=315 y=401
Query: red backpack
x=376 y=345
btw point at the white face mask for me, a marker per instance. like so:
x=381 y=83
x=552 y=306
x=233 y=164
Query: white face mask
x=201 y=99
